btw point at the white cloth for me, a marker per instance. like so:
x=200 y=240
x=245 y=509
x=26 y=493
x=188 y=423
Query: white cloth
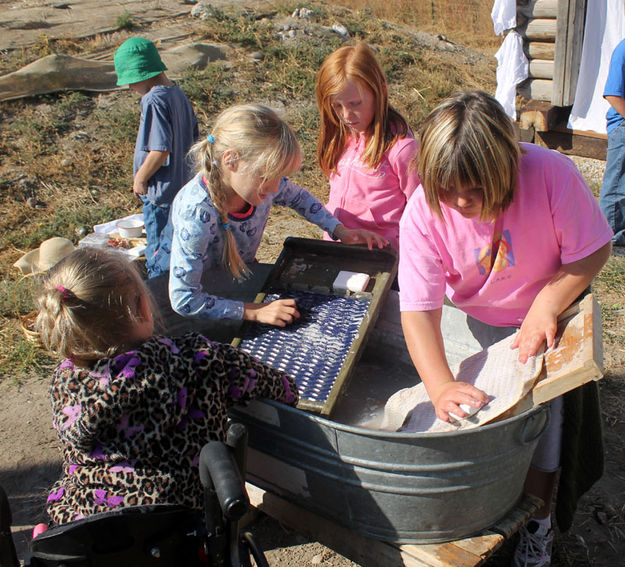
x=503 y=15
x=512 y=69
x=495 y=370
x=604 y=29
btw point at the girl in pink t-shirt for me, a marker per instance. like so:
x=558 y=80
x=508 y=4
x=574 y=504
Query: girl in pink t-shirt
x=365 y=147
x=512 y=235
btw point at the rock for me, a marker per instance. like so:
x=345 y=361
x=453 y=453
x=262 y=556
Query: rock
x=302 y=13
x=341 y=30
x=257 y=56
x=601 y=517
x=202 y=10
x=31 y=202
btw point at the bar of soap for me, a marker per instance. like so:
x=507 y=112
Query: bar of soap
x=350 y=281
x=466 y=408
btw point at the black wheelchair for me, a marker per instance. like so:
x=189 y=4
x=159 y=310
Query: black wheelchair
x=156 y=535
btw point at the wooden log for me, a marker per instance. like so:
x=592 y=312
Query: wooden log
x=539 y=9
x=541 y=30
x=541 y=116
x=537 y=89
x=540 y=50
x=541 y=69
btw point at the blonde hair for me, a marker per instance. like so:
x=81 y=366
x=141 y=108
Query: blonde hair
x=355 y=63
x=262 y=140
x=468 y=142
x=89 y=304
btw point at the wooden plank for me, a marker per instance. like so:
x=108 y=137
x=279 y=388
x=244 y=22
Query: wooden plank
x=541 y=30
x=577 y=18
x=539 y=9
x=467 y=552
x=541 y=69
x=583 y=144
x=557 y=93
x=578 y=356
x=569 y=36
x=367 y=552
x=541 y=50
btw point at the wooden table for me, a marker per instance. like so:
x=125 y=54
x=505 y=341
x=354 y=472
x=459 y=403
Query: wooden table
x=367 y=552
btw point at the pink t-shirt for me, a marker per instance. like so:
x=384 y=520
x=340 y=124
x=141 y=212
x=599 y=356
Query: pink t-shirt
x=494 y=270
x=373 y=199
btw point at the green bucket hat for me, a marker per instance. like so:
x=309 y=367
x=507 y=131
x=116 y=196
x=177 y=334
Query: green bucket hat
x=136 y=60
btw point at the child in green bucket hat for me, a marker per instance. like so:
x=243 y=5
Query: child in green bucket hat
x=167 y=130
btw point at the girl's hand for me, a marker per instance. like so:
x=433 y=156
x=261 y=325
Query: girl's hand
x=278 y=313
x=359 y=236
x=539 y=325
x=450 y=395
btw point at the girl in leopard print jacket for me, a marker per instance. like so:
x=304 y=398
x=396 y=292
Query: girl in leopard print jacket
x=133 y=410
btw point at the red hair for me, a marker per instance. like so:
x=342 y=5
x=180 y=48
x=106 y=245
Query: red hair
x=355 y=63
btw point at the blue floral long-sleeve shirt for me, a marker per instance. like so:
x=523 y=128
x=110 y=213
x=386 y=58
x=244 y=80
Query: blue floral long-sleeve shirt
x=198 y=242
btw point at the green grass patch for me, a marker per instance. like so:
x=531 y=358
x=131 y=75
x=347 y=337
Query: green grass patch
x=124 y=21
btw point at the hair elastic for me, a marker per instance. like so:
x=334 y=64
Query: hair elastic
x=210 y=139
x=226 y=226
x=64 y=293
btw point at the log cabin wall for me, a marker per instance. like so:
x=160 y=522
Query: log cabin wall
x=553 y=32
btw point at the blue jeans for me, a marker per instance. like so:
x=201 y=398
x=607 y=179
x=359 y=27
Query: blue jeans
x=156 y=219
x=612 y=195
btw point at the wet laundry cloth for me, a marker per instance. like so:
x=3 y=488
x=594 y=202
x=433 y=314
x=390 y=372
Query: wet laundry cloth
x=512 y=69
x=503 y=15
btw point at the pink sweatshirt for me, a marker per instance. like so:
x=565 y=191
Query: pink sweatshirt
x=373 y=199
x=494 y=270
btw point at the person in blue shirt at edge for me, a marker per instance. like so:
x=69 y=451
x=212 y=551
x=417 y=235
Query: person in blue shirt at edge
x=612 y=195
x=167 y=130
x=218 y=218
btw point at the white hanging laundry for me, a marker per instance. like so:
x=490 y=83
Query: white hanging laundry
x=604 y=29
x=503 y=15
x=512 y=68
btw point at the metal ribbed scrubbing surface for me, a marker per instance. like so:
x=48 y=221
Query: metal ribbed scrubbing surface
x=314 y=348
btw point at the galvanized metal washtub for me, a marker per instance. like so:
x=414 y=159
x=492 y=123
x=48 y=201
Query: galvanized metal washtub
x=392 y=486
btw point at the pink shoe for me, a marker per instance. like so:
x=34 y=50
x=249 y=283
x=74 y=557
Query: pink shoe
x=39 y=529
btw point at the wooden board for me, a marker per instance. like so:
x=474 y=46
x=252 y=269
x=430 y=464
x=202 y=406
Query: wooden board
x=577 y=358
x=367 y=552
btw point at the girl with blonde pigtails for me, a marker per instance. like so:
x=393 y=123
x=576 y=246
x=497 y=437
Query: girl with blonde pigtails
x=218 y=218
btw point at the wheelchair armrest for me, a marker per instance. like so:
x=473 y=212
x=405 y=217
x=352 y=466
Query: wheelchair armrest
x=220 y=473
x=8 y=554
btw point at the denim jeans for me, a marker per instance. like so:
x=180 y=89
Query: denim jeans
x=156 y=219
x=612 y=196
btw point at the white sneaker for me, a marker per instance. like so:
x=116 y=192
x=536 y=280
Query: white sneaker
x=534 y=547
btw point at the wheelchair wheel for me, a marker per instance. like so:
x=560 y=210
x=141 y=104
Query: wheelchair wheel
x=249 y=553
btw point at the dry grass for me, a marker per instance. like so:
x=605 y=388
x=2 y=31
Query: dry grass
x=464 y=21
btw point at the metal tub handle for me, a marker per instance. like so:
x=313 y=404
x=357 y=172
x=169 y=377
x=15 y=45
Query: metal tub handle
x=524 y=440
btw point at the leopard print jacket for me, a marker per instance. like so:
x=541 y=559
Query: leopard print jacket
x=132 y=426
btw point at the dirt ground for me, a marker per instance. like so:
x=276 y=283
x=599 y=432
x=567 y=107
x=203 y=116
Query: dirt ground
x=29 y=452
